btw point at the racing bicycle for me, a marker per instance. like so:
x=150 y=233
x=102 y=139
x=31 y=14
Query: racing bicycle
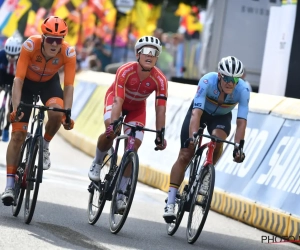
x=29 y=174
x=108 y=188
x=195 y=195
x=7 y=95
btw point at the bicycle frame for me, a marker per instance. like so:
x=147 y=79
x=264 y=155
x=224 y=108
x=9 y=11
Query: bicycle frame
x=6 y=93
x=38 y=131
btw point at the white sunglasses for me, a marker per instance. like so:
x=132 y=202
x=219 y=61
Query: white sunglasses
x=149 y=51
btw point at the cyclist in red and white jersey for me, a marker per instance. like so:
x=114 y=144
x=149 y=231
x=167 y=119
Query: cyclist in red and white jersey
x=133 y=84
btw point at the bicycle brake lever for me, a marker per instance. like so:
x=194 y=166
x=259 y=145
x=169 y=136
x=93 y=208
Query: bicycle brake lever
x=68 y=116
x=161 y=137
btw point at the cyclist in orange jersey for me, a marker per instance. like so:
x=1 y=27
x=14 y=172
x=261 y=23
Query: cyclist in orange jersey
x=134 y=83
x=40 y=59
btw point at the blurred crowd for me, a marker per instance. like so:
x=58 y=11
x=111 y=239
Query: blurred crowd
x=97 y=55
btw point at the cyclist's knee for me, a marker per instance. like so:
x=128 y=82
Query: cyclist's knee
x=18 y=137
x=184 y=156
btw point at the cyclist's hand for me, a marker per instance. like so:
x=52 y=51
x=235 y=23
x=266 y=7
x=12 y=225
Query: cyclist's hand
x=109 y=131
x=67 y=126
x=159 y=146
x=14 y=118
x=236 y=156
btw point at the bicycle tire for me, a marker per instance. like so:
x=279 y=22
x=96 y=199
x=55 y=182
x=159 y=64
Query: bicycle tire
x=19 y=187
x=2 y=118
x=182 y=203
x=128 y=157
x=192 y=237
x=33 y=181
x=97 y=198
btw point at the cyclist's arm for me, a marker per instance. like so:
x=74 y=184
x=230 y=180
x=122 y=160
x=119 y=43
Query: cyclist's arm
x=195 y=121
x=116 y=108
x=68 y=96
x=199 y=103
x=242 y=114
x=160 y=117
x=69 y=77
x=22 y=66
x=241 y=125
x=16 y=92
x=161 y=101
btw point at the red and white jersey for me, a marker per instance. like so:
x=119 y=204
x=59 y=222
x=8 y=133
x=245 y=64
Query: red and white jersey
x=128 y=86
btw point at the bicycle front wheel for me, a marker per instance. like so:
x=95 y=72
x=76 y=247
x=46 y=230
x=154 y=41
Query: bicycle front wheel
x=2 y=118
x=200 y=203
x=181 y=203
x=33 y=179
x=124 y=191
x=19 y=187
x=97 y=190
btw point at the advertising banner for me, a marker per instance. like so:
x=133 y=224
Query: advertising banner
x=82 y=94
x=261 y=132
x=276 y=183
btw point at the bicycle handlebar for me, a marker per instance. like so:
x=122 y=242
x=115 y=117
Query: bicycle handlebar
x=45 y=108
x=119 y=122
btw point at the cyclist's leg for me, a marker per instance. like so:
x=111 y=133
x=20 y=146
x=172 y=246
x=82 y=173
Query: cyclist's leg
x=18 y=135
x=51 y=95
x=5 y=134
x=220 y=127
x=103 y=143
x=177 y=172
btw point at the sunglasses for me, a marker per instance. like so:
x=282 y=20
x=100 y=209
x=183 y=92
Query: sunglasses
x=52 y=39
x=229 y=79
x=149 y=51
x=14 y=57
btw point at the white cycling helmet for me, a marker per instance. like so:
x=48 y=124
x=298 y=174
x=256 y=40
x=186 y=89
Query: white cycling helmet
x=148 y=40
x=231 y=66
x=12 y=46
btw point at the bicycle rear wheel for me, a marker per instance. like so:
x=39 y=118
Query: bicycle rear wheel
x=200 y=203
x=19 y=187
x=2 y=118
x=97 y=196
x=34 y=178
x=117 y=218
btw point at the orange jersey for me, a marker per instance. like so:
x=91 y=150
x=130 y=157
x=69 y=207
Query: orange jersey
x=33 y=65
x=128 y=86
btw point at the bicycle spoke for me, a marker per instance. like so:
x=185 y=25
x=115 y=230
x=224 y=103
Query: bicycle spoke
x=200 y=204
x=124 y=192
x=34 y=176
x=97 y=197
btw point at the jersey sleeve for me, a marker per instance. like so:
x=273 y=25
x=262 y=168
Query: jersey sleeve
x=200 y=97
x=162 y=91
x=243 y=107
x=70 y=66
x=120 y=81
x=24 y=59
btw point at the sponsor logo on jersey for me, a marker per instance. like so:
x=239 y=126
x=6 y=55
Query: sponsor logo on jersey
x=120 y=86
x=55 y=61
x=148 y=84
x=205 y=81
x=28 y=45
x=70 y=52
x=38 y=58
x=220 y=126
x=35 y=67
x=216 y=91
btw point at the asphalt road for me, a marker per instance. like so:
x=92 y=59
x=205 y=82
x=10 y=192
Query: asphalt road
x=60 y=218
